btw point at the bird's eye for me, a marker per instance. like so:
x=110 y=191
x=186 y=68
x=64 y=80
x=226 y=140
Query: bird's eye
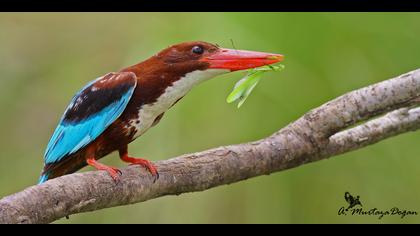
x=197 y=50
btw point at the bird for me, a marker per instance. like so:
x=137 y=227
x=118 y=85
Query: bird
x=352 y=201
x=113 y=110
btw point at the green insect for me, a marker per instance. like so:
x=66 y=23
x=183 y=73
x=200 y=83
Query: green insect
x=244 y=87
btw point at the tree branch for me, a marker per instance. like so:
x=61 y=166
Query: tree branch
x=336 y=127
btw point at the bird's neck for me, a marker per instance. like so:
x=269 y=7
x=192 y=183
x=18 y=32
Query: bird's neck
x=180 y=87
x=167 y=85
x=159 y=90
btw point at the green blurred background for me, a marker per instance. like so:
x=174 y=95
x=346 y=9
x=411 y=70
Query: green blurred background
x=46 y=57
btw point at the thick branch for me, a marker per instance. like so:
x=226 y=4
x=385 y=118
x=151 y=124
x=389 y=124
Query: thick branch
x=321 y=133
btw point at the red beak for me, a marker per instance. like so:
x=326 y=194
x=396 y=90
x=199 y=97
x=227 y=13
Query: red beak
x=240 y=59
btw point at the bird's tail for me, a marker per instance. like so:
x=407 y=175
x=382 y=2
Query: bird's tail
x=66 y=166
x=43 y=178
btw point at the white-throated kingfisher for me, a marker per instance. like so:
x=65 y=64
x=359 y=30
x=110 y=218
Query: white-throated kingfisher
x=115 y=109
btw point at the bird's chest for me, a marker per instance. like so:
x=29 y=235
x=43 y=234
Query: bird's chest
x=149 y=114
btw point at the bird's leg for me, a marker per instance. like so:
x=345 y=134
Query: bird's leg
x=113 y=172
x=139 y=161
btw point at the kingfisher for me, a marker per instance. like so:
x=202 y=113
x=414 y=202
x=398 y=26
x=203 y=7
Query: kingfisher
x=112 y=111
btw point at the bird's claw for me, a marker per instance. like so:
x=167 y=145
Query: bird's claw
x=156 y=177
x=149 y=166
x=118 y=171
x=115 y=174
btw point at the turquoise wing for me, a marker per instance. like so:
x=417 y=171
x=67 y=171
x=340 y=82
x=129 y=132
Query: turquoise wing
x=91 y=111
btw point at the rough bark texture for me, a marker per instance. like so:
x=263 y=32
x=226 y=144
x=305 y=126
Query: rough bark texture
x=336 y=127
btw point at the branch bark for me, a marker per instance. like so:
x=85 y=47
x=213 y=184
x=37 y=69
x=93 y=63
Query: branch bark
x=349 y=122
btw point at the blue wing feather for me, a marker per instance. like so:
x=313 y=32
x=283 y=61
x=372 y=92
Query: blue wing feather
x=69 y=137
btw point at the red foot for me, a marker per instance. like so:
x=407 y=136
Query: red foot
x=112 y=171
x=145 y=163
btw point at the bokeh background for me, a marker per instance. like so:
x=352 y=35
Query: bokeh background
x=46 y=57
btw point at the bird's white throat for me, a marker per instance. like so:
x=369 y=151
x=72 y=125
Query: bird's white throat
x=148 y=113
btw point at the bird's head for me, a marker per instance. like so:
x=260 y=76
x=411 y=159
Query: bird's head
x=182 y=66
x=198 y=55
